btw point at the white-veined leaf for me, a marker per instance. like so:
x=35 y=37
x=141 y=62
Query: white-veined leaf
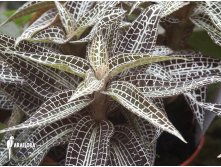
x=29 y=7
x=98 y=55
x=133 y=99
x=89 y=144
x=78 y=8
x=93 y=15
x=196 y=66
x=122 y=62
x=44 y=138
x=141 y=35
x=170 y=6
x=126 y=149
x=5 y=102
x=88 y=86
x=42 y=22
x=55 y=108
x=9 y=75
x=110 y=17
x=213 y=107
x=23 y=96
x=146 y=131
x=69 y=63
x=156 y=87
x=35 y=74
x=199 y=112
x=205 y=22
x=66 y=18
x=54 y=34
x=45 y=81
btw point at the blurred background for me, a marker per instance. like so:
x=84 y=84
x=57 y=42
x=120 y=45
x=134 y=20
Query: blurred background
x=199 y=40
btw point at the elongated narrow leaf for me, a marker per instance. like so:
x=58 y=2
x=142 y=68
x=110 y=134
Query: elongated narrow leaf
x=141 y=35
x=45 y=81
x=133 y=99
x=68 y=63
x=23 y=96
x=135 y=5
x=216 y=108
x=98 y=55
x=91 y=16
x=28 y=8
x=44 y=138
x=90 y=143
x=9 y=43
x=5 y=102
x=66 y=18
x=146 y=131
x=38 y=79
x=126 y=149
x=157 y=71
x=56 y=108
x=80 y=137
x=212 y=9
x=54 y=34
x=88 y=86
x=199 y=112
x=9 y=75
x=110 y=17
x=156 y=87
x=205 y=22
x=123 y=62
x=196 y=66
x=78 y=8
x=169 y=7
x=42 y=22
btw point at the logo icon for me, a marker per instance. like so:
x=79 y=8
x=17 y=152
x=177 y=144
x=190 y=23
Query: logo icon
x=9 y=144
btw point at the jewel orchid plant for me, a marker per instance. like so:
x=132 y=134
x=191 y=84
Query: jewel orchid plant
x=70 y=100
